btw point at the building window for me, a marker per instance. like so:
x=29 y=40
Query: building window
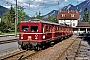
x=73 y=24
x=72 y=15
x=63 y=15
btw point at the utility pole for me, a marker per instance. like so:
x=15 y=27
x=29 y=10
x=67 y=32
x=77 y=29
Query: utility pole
x=16 y=19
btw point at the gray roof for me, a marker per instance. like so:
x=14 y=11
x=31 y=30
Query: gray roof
x=83 y=24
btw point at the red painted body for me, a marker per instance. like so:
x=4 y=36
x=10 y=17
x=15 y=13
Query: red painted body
x=44 y=31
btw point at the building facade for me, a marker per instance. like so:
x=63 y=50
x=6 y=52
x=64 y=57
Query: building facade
x=70 y=18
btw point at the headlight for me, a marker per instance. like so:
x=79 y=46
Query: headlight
x=21 y=37
x=43 y=36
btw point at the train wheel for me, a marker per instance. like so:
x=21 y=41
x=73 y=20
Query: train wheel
x=37 y=48
x=19 y=46
x=27 y=47
x=23 y=47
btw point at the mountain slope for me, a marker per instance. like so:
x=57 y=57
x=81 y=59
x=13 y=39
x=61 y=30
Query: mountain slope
x=80 y=7
x=52 y=13
x=3 y=10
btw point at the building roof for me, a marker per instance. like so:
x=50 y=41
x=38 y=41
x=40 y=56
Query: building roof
x=83 y=24
x=69 y=15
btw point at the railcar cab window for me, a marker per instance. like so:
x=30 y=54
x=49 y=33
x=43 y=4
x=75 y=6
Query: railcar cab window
x=25 y=28
x=34 y=28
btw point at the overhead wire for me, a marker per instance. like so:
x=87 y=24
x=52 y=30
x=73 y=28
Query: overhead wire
x=49 y=6
x=6 y=2
x=29 y=4
x=46 y=7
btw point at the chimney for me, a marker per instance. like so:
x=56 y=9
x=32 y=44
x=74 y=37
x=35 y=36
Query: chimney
x=68 y=11
x=76 y=11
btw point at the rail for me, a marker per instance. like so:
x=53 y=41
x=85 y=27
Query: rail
x=63 y=54
x=6 y=35
x=8 y=41
x=77 y=51
x=21 y=55
x=11 y=55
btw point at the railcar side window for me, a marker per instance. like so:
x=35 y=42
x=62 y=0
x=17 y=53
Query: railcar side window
x=25 y=28
x=34 y=28
x=59 y=28
x=43 y=29
x=46 y=28
x=50 y=28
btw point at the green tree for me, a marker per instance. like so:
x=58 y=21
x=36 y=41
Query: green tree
x=52 y=19
x=6 y=19
x=38 y=16
x=9 y=17
x=21 y=14
x=12 y=14
x=2 y=27
x=86 y=15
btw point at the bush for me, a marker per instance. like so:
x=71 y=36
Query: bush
x=3 y=27
x=0 y=32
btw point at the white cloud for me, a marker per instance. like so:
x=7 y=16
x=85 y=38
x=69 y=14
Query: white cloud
x=66 y=0
x=38 y=0
x=80 y=0
x=21 y=0
x=7 y=7
x=10 y=1
x=38 y=3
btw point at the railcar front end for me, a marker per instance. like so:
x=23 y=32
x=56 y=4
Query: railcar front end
x=30 y=34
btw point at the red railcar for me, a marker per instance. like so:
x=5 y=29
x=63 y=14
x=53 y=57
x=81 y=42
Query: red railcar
x=37 y=33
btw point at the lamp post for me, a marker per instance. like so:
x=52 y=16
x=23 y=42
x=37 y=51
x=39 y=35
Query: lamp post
x=16 y=19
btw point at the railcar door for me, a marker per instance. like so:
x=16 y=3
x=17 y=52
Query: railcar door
x=53 y=31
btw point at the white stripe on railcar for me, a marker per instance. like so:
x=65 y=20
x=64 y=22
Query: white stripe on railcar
x=32 y=33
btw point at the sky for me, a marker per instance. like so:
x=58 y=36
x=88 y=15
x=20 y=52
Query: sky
x=44 y=6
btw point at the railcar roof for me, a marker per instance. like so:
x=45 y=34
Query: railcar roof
x=42 y=21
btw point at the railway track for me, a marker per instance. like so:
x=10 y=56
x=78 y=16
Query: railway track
x=70 y=52
x=6 y=35
x=83 y=52
x=8 y=41
x=77 y=50
x=20 y=55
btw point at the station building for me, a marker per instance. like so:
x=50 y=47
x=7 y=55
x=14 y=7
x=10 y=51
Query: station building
x=71 y=18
